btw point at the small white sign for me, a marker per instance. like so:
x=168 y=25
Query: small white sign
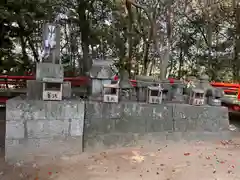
x=52 y=91
x=52 y=95
x=110 y=98
x=215 y=102
x=198 y=102
x=155 y=99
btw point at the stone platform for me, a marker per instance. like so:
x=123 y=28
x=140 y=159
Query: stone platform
x=48 y=128
x=125 y=124
x=42 y=128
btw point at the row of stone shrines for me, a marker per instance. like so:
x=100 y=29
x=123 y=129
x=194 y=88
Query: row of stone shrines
x=54 y=128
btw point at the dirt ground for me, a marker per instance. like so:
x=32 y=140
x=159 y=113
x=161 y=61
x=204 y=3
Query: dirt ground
x=219 y=160
x=170 y=161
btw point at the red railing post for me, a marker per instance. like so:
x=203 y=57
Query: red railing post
x=238 y=96
x=6 y=82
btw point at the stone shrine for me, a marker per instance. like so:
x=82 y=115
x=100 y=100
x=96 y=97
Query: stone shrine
x=126 y=88
x=154 y=94
x=197 y=97
x=49 y=83
x=111 y=93
x=213 y=95
x=46 y=122
x=100 y=74
x=177 y=92
x=142 y=84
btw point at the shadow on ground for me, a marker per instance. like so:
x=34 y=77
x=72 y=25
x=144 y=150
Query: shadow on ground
x=235 y=121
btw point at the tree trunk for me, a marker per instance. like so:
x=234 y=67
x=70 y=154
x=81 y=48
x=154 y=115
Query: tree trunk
x=35 y=53
x=210 y=65
x=152 y=33
x=130 y=37
x=167 y=54
x=22 y=41
x=85 y=35
x=180 y=63
x=24 y=52
x=146 y=52
x=236 y=68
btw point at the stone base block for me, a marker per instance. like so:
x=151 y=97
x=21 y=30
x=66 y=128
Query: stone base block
x=36 y=128
x=35 y=89
x=129 y=123
x=200 y=118
x=117 y=140
x=43 y=128
x=49 y=70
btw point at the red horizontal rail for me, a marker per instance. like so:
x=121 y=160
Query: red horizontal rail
x=230 y=90
x=3 y=84
x=18 y=80
x=13 y=80
x=3 y=100
x=81 y=78
x=220 y=84
x=238 y=96
x=17 y=77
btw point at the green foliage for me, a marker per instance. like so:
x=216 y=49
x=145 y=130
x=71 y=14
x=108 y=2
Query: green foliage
x=100 y=29
x=18 y=21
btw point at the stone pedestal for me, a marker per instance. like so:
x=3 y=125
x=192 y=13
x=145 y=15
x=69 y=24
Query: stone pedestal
x=36 y=128
x=110 y=125
x=49 y=70
x=177 y=92
x=43 y=124
x=49 y=83
x=35 y=89
x=167 y=90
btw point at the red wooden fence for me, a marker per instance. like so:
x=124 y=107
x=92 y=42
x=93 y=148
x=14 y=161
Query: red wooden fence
x=20 y=82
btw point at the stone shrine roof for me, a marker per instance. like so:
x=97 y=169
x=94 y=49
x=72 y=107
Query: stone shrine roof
x=102 y=69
